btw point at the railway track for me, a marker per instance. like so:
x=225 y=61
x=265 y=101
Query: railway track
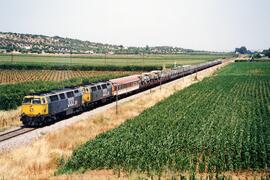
x=15 y=133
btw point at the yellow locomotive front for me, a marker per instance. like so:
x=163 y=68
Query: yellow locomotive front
x=86 y=98
x=33 y=106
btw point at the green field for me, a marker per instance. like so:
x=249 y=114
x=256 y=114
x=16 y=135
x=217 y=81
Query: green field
x=218 y=125
x=119 y=60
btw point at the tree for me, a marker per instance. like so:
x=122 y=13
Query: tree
x=266 y=52
x=241 y=50
x=147 y=48
x=136 y=51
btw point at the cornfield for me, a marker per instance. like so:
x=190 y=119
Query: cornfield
x=218 y=125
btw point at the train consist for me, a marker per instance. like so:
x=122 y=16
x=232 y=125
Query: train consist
x=41 y=109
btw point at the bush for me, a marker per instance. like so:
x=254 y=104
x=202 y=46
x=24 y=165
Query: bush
x=257 y=56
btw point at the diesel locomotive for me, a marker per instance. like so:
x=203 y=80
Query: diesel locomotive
x=41 y=109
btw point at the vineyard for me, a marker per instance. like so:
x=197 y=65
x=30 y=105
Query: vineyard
x=218 y=125
x=14 y=76
x=11 y=95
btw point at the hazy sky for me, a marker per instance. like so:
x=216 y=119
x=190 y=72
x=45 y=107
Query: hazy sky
x=196 y=24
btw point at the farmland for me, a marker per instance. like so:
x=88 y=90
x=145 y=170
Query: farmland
x=15 y=76
x=218 y=125
x=117 y=60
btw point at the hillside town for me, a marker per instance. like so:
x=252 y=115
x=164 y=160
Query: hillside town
x=40 y=44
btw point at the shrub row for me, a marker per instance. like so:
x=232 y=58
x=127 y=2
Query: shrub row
x=81 y=67
x=256 y=60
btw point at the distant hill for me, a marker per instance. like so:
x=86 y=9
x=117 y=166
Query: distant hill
x=29 y=43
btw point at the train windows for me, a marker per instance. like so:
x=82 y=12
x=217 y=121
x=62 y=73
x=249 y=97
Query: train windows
x=43 y=101
x=70 y=94
x=62 y=96
x=93 y=89
x=76 y=91
x=104 y=86
x=99 y=88
x=27 y=100
x=36 y=101
x=108 y=84
x=54 y=98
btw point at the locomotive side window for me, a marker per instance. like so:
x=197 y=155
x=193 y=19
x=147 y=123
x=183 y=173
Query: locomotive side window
x=70 y=94
x=99 y=88
x=36 y=101
x=76 y=91
x=104 y=86
x=93 y=89
x=54 y=98
x=62 y=96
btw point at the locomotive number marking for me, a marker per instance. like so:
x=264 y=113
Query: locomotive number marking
x=72 y=102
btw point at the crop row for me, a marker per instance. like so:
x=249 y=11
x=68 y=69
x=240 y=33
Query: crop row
x=15 y=76
x=11 y=95
x=220 y=124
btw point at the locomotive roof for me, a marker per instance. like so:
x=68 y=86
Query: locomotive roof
x=99 y=83
x=59 y=91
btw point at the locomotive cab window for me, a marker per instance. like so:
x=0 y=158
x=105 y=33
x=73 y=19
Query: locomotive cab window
x=43 y=101
x=99 y=88
x=36 y=101
x=70 y=94
x=76 y=91
x=27 y=100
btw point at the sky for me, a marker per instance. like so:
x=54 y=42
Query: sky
x=216 y=25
